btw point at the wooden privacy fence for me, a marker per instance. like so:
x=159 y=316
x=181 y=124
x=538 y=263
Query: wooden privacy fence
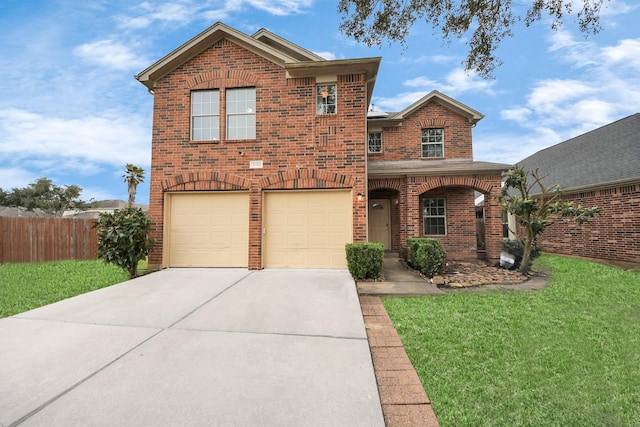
x=47 y=239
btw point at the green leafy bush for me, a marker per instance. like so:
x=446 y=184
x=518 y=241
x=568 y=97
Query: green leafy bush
x=427 y=255
x=516 y=248
x=123 y=238
x=365 y=260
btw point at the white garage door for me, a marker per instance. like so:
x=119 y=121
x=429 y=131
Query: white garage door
x=208 y=229
x=306 y=229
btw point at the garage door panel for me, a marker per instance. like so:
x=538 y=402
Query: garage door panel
x=307 y=229
x=208 y=230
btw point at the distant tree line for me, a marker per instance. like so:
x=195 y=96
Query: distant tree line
x=43 y=194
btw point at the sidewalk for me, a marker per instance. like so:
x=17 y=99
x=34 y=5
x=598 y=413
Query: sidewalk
x=398 y=281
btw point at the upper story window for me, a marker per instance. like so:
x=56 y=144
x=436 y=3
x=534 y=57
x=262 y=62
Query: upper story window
x=326 y=99
x=434 y=216
x=375 y=142
x=432 y=142
x=241 y=113
x=205 y=115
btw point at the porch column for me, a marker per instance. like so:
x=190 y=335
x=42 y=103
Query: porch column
x=493 y=225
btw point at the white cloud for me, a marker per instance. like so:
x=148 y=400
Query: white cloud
x=279 y=7
x=626 y=53
x=111 y=54
x=185 y=12
x=79 y=145
x=326 y=55
x=456 y=82
x=426 y=59
x=518 y=114
x=605 y=88
x=15 y=177
x=167 y=13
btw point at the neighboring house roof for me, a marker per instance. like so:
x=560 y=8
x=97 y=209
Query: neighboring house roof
x=434 y=96
x=605 y=156
x=21 y=212
x=298 y=61
x=101 y=206
x=432 y=167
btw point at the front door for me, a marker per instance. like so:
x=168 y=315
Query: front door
x=380 y=222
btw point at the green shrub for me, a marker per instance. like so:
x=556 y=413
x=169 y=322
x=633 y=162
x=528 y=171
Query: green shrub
x=123 y=238
x=427 y=255
x=365 y=260
x=516 y=248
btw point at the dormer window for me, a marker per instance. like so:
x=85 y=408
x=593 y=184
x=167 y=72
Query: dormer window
x=432 y=143
x=326 y=99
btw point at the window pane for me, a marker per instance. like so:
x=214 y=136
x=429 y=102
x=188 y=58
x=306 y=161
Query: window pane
x=434 y=217
x=326 y=99
x=432 y=142
x=375 y=142
x=241 y=113
x=241 y=127
x=205 y=115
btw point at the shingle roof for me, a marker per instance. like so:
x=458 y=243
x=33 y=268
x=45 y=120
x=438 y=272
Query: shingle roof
x=605 y=155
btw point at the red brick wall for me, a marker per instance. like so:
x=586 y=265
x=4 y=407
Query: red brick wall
x=614 y=235
x=404 y=142
x=298 y=148
x=460 y=241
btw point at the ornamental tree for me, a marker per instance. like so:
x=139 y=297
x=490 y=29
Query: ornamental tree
x=536 y=206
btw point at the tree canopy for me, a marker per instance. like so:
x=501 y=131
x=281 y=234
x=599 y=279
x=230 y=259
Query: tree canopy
x=487 y=21
x=45 y=195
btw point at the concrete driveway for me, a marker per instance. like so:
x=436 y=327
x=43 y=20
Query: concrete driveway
x=219 y=347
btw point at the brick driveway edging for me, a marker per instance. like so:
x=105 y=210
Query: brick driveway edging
x=404 y=401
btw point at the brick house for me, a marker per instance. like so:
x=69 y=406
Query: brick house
x=264 y=155
x=599 y=168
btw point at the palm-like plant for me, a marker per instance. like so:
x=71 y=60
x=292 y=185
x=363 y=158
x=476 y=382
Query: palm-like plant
x=133 y=176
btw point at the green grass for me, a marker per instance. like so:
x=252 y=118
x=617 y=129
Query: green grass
x=25 y=286
x=567 y=355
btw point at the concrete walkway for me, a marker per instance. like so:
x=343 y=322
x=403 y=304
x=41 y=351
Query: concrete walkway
x=224 y=347
x=398 y=280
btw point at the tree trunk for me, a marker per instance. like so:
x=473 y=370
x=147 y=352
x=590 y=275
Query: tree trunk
x=526 y=256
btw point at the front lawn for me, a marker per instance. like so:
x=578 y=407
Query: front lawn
x=24 y=286
x=567 y=355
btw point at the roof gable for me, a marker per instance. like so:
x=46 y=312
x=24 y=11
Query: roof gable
x=434 y=96
x=270 y=47
x=285 y=46
x=607 y=155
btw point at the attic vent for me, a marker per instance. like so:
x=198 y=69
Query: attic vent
x=608 y=192
x=300 y=81
x=628 y=189
x=350 y=78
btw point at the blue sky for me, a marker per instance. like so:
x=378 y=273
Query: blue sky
x=71 y=110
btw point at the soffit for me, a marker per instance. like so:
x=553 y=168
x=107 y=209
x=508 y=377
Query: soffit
x=432 y=167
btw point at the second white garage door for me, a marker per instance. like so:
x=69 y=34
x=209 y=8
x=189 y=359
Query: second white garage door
x=208 y=229
x=306 y=229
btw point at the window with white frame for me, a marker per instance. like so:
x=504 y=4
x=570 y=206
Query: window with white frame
x=434 y=217
x=326 y=99
x=432 y=142
x=205 y=115
x=241 y=113
x=375 y=142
